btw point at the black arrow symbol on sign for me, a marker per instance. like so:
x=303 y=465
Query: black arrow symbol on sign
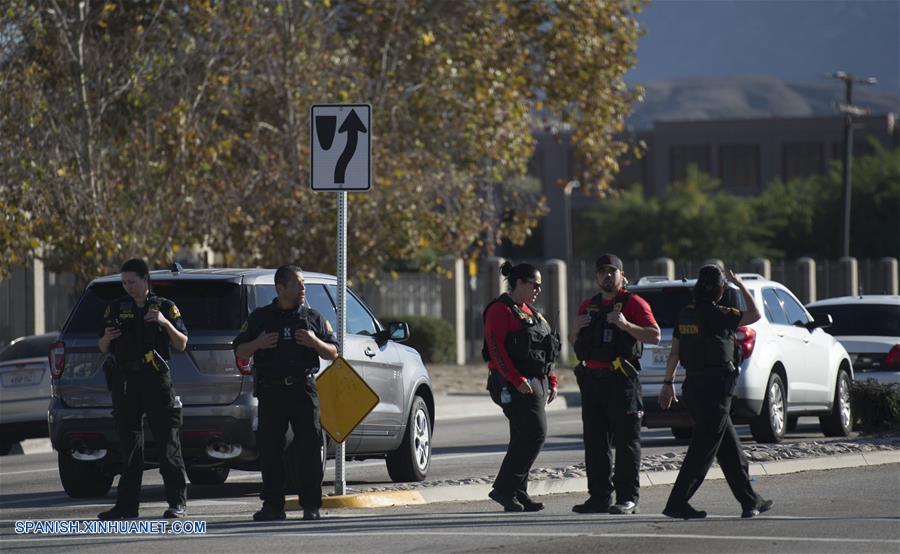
x=352 y=125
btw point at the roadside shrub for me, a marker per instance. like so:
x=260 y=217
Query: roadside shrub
x=433 y=337
x=876 y=407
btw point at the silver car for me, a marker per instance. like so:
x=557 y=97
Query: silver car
x=24 y=389
x=219 y=408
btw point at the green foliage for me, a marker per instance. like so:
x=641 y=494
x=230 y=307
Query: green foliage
x=433 y=337
x=694 y=219
x=146 y=127
x=875 y=406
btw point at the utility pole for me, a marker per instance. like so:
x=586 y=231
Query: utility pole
x=849 y=110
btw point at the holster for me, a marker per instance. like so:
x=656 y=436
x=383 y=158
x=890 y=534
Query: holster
x=154 y=361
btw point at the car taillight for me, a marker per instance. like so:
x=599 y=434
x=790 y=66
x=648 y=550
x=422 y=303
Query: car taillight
x=57 y=355
x=243 y=365
x=893 y=358
x=745 y=337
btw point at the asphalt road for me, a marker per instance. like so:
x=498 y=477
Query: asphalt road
x=846 y=510
x=462 y=448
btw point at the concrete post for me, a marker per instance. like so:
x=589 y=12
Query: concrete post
x=556 y=299
x=37 y=298
x=664 y=266
x=453 y=294
x=890 y=283
x=806 y=287
x=763 y=266
x=848 y=281
x=496 y=283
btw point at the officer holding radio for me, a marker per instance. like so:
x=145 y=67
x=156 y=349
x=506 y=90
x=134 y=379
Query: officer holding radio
x=138 y=330
x=608 y=335
x=286 y=339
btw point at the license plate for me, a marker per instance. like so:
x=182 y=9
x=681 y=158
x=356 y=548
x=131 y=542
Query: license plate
x=661 y=356
x=22 y=378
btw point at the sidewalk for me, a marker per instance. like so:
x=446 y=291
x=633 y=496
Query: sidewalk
x=460 y=405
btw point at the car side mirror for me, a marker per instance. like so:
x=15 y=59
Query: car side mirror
x=821 y=321
x=399 y=331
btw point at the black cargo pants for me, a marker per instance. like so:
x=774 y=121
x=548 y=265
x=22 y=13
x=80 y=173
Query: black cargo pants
x=708 y=396
x=134 y=393
x=611 y=415
x=297 y=404
x=527 y=430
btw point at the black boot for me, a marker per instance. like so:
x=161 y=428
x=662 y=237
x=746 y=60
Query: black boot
x=683 y=512
x=117 y=513
x=527 y=503
x=509 y=503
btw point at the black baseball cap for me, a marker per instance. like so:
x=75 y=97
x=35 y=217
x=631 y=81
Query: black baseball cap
x=610 y=260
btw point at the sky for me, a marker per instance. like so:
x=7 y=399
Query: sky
x=793 y=40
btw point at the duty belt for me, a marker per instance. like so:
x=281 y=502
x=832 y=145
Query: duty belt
x=286 y=381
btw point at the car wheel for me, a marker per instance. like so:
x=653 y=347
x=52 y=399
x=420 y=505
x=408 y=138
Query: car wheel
x=682 y=432
x=83 y=479
x=839 y=423
x=410 y=462
x=770 y=425
x=207 y=475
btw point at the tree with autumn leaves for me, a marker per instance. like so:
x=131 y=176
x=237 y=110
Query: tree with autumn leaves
x=139 y=129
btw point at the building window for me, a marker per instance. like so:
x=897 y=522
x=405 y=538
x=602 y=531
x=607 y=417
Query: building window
x=739 y=167
x=684 y=155
x=802 y=160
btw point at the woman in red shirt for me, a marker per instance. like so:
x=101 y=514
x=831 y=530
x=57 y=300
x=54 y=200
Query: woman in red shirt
x=520 y=348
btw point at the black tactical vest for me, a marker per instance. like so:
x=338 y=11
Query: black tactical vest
x=535 y=347
x=287 y=358
x=703 y=345
x=138 y=336
x=602 y=341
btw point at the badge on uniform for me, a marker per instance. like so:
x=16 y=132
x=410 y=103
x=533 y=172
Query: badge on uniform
x=287 y=333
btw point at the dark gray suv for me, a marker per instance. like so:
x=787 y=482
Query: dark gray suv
x=219 y=408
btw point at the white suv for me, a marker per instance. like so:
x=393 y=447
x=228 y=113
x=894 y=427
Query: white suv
x=791 y=366
x=869 y=328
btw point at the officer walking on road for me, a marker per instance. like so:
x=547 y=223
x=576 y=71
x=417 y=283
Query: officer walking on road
x=703 y=341
x=608 y=335
x=520 y=348
x=286 y=339
x=138 y=330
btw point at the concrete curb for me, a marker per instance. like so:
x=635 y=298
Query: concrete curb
x=465 y=493
x=452 y=406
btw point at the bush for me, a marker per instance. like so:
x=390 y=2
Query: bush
x=433 y=337
x=876 y=407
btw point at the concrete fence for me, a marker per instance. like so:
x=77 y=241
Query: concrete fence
x=34 y=301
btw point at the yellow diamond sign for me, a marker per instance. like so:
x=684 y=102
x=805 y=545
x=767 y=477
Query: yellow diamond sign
x=345 y=399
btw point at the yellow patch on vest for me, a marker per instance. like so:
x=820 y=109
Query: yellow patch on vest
x=689 y=329
x=728 y=310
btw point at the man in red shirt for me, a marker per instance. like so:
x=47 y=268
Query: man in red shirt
x=608 y=334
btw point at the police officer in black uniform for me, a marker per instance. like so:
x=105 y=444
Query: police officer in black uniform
x=139 y=329
x=286 y=340
x=608 y=335
x=703 y=341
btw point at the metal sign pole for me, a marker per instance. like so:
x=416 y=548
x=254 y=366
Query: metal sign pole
x=340 y=475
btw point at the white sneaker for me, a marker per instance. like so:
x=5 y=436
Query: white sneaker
x=628 y=507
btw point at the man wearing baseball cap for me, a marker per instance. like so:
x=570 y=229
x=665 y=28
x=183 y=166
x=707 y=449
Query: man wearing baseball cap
x=608 y=334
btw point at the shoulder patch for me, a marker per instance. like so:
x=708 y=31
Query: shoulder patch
x=174 y=312
x=328 y=326
x=244 y=327
x=730 y=311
